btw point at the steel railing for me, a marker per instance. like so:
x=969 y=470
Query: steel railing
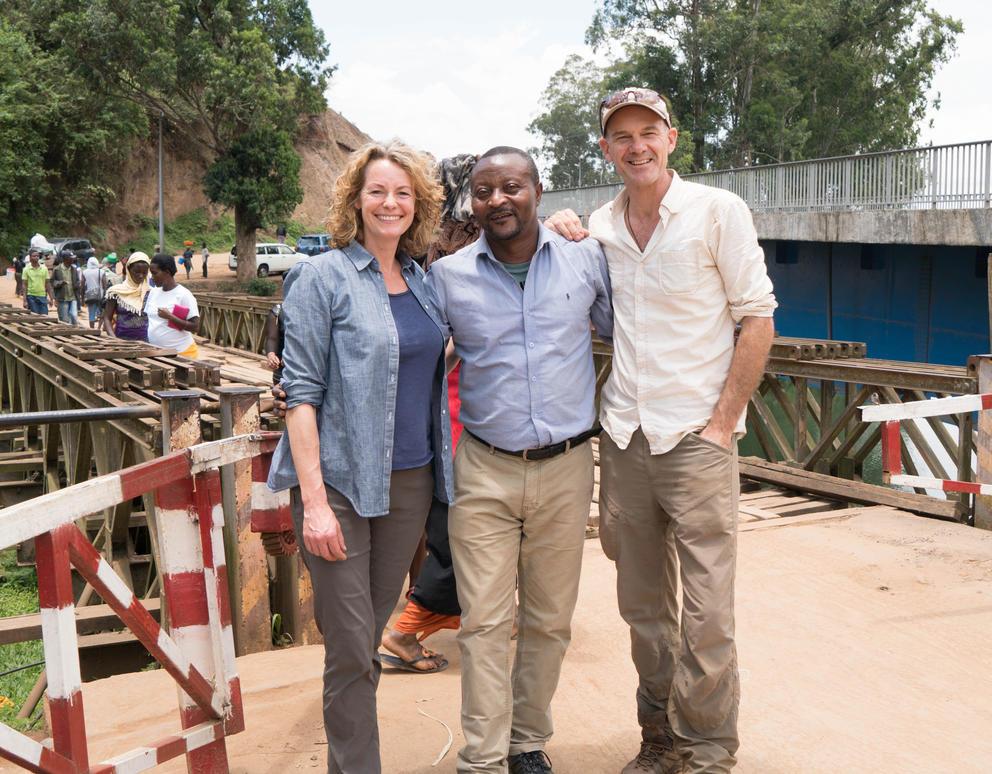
x=937 y=177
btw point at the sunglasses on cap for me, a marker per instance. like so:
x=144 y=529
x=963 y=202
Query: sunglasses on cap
x=632 y=96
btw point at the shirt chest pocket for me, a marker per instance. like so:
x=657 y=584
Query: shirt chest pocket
x=680 y=270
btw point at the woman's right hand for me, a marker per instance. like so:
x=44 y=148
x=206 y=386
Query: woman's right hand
x=272 y=361
x=322 y=533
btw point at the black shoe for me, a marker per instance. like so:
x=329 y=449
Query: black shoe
x=536 y=762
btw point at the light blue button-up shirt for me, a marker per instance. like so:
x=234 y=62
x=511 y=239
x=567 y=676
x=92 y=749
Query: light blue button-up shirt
x=342 y=356
x=527 y=377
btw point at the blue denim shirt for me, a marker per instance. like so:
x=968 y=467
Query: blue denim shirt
x=527 y=377
x=342 y=356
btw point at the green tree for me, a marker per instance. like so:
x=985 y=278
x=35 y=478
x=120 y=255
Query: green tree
x=59 y=139
x=569 y=128
x=227 y=75
x=759 y=81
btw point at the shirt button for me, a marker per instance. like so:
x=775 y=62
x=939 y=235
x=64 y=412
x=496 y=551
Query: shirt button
x=531 y=345
x=533 y=378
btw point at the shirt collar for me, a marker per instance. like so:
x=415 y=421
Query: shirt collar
x=362 y=257
x=673 y=201
x=675 y=196
x=544 y=236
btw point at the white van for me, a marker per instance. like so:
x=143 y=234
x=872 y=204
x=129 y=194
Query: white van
x=270 y=258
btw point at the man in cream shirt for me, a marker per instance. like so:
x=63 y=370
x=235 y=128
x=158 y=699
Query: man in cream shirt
x=686 y=268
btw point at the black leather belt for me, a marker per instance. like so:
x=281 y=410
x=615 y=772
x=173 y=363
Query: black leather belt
x=542 y=452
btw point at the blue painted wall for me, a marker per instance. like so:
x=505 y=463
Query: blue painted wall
x=908 y=302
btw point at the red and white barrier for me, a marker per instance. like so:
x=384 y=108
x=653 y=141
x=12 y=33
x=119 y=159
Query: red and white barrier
x=892 y=414
x=270 y=511
x=198 y=651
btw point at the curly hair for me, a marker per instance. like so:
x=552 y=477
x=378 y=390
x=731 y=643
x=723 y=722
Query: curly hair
x=344 y=221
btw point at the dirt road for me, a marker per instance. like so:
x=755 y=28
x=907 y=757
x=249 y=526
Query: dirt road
x=863 y=647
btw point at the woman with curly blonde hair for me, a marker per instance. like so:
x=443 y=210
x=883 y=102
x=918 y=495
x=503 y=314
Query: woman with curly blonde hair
x=368 y=437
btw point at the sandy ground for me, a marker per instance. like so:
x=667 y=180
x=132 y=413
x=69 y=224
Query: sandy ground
x=863 y=647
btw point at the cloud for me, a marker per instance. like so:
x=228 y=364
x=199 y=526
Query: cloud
x=448 y=94
x=965 y=112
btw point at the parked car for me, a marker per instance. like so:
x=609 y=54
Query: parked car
x=313 y=244
x=81 y=247
x=270 y=258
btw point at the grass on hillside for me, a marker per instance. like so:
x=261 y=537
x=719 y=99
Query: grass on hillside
x=18 y=595
x=198 y=227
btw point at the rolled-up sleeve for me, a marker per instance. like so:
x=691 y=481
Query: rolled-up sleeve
x=306 y=313
x=741 y=262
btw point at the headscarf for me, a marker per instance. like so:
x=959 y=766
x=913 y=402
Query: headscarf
x=92 y=263
x=129 y=294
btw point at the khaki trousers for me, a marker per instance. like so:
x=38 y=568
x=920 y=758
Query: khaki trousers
x=514 y=522
x=653 y=506
x=352 y=600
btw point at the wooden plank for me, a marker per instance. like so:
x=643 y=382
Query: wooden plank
x=852 y=491
x=89 y=620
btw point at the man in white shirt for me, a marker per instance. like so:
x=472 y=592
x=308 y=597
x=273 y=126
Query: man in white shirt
x=685 y=267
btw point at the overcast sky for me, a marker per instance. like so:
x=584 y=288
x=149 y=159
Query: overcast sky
x=456 y=77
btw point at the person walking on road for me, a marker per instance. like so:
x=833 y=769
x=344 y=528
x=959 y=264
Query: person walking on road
x=95 y=283
x=67 y=281
x=173 y=314
x=38 y=292
x=124 y=314
x=205 y=254
x=686 y=268
x=188 y=261
x=19 y=265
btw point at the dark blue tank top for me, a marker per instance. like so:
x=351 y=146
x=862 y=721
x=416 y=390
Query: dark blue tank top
x=421 y=348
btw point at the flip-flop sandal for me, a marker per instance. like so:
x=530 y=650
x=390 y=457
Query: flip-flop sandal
x=410 y=666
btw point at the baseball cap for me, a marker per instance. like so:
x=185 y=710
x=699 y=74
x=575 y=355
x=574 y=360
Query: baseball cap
x=633 y=95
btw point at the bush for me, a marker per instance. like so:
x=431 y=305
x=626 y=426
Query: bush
x=260 y=286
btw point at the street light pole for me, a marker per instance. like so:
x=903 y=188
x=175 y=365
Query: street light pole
x=161 y=201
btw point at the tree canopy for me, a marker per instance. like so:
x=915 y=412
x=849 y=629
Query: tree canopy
x=756 y=81
x=227 y=76
x=59 y=138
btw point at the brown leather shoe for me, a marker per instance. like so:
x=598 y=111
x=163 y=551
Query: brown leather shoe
x=655 y=758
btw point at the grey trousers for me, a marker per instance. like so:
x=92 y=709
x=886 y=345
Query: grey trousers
x=686 y=498
x=352 y=602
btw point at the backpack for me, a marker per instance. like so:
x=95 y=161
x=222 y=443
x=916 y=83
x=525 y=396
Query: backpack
x=93 y=293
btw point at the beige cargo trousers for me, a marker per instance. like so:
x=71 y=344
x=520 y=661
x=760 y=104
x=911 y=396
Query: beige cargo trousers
x=652 y=507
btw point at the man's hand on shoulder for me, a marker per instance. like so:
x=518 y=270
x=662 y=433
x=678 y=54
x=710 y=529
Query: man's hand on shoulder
x=567 y=224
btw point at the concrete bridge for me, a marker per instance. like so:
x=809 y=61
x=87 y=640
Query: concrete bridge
x=888 y=248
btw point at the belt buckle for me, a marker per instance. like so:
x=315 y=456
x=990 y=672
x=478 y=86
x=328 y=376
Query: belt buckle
x=524 y=455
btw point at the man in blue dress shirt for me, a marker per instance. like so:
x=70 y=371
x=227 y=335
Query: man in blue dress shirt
x=519 y=303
